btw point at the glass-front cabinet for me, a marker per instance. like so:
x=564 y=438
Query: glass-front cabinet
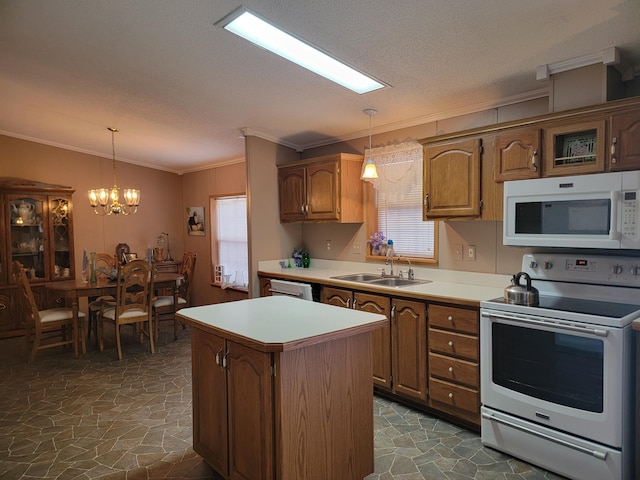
x=37 y=230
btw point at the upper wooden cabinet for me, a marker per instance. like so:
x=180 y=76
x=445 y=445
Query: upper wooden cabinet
x=517 y=154
x=625 y=141
x=451 y=186
x=575 y=148
x=322 y=189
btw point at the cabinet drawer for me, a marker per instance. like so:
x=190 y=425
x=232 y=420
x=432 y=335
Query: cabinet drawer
x=454 y=395
x=452 y=318
x=454 y=370
x=456 y=344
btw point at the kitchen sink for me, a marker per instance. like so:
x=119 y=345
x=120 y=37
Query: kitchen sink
x=358 y=277
x=373 y=279
x=397 y=282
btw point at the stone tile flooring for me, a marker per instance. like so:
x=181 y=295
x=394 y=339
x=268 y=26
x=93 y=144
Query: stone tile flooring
x=100 y=418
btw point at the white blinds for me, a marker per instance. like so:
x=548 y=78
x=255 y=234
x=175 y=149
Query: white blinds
x=399 y=199
x=231 y=232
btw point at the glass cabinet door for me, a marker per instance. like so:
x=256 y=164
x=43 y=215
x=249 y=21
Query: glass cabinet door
x=59 y=212
x=27 y=235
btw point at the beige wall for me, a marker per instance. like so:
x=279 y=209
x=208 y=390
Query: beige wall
x=491 y=255
x=160 y=208
x=268 y=238
x=197 y=188
x=164 y=198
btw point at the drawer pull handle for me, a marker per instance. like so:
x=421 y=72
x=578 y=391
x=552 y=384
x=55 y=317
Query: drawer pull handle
x=450 y=369
x=450 y=318
x=451 y=395
x=450 y=343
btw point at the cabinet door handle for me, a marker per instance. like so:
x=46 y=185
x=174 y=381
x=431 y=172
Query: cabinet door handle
x=355 y=304
x=302 y=208
x=614 y=141
x=450 y=318
x=349 y=302
x=218 y=356
x=426 y=202
x=393 y=314
x=451 y=395
x=224 y=360
x=534 y=160
x=450 y=369
x=450 y=343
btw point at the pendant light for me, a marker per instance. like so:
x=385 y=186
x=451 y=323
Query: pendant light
x=369 y=167
x=107 y=202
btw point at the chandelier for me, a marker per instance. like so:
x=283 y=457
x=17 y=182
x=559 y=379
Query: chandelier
x=369 y=170
x=107 y=202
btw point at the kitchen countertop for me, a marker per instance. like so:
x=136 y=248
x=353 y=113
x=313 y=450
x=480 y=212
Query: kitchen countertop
x=279 y=323
x=468 y=288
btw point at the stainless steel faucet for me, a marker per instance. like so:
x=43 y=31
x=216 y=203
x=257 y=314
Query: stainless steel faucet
x=389 y=256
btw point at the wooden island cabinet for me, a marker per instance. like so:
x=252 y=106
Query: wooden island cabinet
x=282 y=389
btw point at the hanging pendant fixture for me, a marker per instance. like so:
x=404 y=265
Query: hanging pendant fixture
x=369 y=167
x=107 y=202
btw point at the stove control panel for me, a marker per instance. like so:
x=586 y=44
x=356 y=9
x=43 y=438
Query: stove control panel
x=591 y=269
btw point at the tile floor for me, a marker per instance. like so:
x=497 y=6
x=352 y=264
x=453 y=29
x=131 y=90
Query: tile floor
x=100 y=418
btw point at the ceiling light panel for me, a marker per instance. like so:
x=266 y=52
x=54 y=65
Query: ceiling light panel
x=262 y=33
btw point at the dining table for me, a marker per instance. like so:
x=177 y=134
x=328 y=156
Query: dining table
x=75 y=289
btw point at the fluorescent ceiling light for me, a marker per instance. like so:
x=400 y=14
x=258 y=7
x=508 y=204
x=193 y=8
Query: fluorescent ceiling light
x=250 y=27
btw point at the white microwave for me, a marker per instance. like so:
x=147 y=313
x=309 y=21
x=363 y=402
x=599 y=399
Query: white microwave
x=584 y=211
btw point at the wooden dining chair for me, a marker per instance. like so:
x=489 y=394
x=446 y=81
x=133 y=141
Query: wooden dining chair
x=164 y=305
x=47 y=328
x=132 y=306
x=105 y=263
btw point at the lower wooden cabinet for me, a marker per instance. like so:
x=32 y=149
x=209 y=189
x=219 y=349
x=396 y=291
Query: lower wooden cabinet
x=380 y=339
x=399 y=350
x=454 y=376
x=428 y=354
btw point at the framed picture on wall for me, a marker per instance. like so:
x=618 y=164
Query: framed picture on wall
x=195 y=221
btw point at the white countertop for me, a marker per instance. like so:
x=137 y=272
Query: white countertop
x=445 y=285
x=279 y=323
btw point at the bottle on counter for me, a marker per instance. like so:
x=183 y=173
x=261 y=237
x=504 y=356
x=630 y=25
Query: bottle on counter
x=306 y=260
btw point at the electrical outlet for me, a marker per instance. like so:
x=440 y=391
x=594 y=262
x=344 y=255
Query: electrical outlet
x=355 y=248
x=458 y=252
x=328 y=244
x=471 y=252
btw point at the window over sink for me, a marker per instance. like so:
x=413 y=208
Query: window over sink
x=394 y=203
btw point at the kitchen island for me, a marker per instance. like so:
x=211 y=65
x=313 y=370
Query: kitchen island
x=282 y=388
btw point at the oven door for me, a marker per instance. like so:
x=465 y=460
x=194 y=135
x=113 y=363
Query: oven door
x=563 y=375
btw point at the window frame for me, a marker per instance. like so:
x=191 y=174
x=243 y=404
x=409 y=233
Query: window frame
x=214 y=243
x=371 y=220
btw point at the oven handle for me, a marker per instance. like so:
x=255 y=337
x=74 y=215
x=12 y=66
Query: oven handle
x=580 y=448
x=600 y=332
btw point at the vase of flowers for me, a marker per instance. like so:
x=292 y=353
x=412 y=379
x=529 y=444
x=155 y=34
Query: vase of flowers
x=377 y=242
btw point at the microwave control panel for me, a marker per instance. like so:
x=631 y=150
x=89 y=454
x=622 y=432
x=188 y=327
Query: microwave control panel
x=630 y=214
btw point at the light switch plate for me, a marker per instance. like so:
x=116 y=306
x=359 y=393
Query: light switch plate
x=471 y=252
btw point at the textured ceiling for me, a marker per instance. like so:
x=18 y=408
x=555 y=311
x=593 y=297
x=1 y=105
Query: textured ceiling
x=180 y=89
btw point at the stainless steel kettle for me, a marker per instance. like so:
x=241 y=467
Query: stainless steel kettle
x=519 y=295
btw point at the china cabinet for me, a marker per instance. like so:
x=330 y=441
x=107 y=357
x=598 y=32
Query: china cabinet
x=37 y=231
x=322 y=189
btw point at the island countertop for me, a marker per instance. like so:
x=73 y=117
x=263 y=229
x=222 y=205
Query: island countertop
x=280 y=323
